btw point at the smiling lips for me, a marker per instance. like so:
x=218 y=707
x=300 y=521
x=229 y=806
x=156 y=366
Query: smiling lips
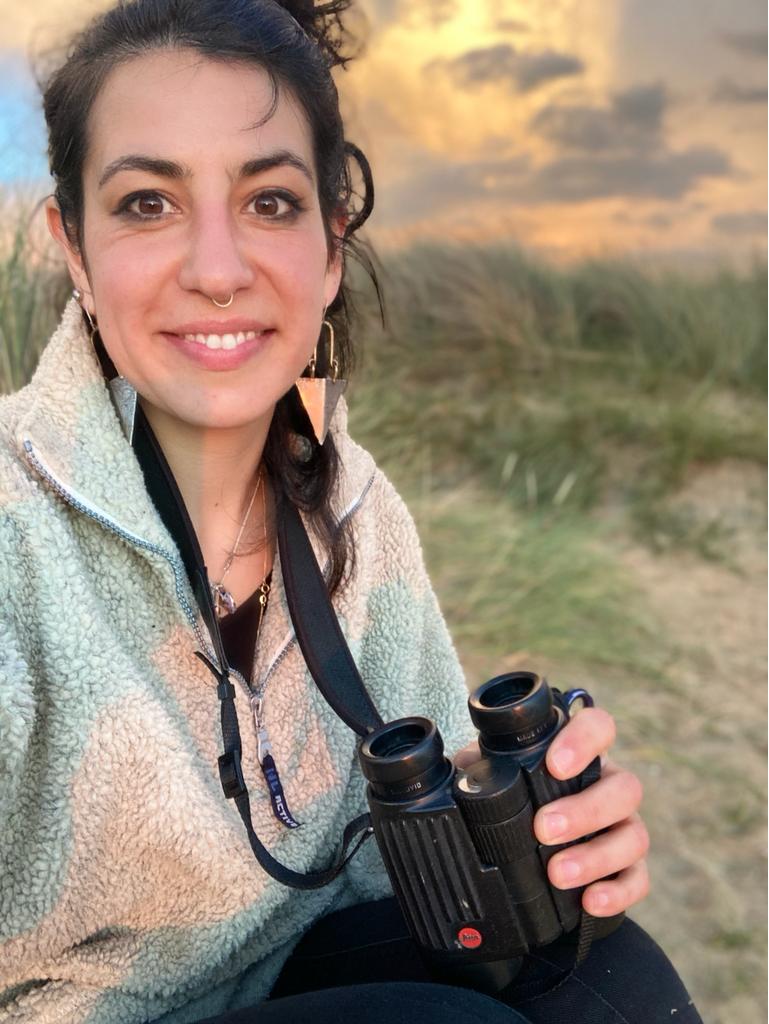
x=227 y=334
x=224 y=340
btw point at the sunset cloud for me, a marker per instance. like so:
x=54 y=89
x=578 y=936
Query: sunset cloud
x=748 y=44
x=503 y=63
x=748 y=222
x=569 y=126
x=666 y=175
x=632 y=120
x=520 y=180
x=511 y=25
x=729 y=91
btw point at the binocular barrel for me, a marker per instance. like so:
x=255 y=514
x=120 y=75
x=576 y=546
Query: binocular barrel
x=459 y=846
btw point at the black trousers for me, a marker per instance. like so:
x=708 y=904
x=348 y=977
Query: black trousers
x=360 y=965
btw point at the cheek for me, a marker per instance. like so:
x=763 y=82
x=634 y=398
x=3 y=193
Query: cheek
x=301 y=266
x=124 y=278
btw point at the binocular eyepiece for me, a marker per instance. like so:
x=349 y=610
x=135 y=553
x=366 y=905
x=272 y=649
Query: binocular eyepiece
x=459 y=845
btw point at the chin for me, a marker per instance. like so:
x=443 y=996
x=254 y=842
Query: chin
x=224 y=419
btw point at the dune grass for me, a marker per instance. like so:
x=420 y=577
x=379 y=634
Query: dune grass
x=539 y=421
x=508 y=399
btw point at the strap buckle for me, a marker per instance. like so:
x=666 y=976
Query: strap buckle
x=231 y=775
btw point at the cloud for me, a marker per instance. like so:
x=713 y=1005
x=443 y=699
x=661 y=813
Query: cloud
x=748 y=222
x=439 y=11
x=431 y=12
x=502 y=62
x=438 y=186
x=384 y=11
x=658 y=220
x=666 y=175
x=511 y=25
x=749 y=44
x=729 y=91
x=631 y=121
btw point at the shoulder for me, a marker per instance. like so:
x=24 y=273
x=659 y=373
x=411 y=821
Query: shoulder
x=385 y=536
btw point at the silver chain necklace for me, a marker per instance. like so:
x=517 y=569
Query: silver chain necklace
x=224 y=602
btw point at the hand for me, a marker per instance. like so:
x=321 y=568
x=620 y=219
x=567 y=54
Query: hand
x=611 y=803
x=467 y=755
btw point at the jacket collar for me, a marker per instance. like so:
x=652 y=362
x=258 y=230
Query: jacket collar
x=72 y=429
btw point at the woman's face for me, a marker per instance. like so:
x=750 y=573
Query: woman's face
x=186 y=202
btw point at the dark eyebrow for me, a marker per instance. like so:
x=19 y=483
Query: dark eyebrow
x=281 y=158
x=170 y=169
x=153 y=165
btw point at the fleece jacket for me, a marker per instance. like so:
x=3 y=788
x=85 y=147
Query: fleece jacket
x=128 y=889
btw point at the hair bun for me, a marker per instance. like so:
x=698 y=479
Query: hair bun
x=324 y=24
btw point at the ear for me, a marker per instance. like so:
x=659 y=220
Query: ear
x=71 y=254
x=335 y=268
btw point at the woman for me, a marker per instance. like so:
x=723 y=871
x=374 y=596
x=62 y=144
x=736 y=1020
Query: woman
x=204 y=207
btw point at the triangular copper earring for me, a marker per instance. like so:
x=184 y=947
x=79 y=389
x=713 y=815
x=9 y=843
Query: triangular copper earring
x=320 y=395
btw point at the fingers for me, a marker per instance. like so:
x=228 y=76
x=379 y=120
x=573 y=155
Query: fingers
x=612 y=896
x=616 y=796
x=467 y=755
x=585 y=736
x=616 y=850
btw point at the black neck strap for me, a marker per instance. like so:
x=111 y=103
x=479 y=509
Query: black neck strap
x=317 y=628
x=324 y=648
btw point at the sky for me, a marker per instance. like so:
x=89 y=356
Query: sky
x=575 y=128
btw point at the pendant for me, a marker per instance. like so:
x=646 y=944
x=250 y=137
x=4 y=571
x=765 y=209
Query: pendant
x=224 y=602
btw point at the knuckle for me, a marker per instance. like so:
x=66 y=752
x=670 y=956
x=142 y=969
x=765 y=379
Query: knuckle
x=609 y=726
x=630 y=787
x=599 y=723
x=645 y=885
x=641 y=837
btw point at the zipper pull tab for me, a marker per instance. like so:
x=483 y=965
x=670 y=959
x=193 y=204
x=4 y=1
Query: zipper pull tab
x=278 y=801
x=263 y=745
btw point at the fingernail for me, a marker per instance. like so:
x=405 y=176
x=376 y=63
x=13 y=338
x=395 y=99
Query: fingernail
x=563 y=759
x=554 y=825
x=568 y=870
x=600 y=899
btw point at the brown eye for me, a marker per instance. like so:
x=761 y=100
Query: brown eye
x=269 y=206
x=276 y=205
x=144 y=206
x=149 y=206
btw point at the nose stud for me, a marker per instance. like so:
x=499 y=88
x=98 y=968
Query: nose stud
x=223 y=305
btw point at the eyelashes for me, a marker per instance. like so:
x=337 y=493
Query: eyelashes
x=128 y=206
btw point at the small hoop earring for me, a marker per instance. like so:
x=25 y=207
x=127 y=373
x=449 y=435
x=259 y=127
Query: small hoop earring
x=92 y=324
x=223 y=305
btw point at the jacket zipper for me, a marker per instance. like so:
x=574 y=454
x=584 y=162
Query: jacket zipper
x=255 y=695
x=84 y=506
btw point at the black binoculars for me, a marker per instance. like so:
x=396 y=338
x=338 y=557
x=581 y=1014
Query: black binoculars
x=458 y=844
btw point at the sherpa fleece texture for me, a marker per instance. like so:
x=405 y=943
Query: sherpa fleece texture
x=128 y=890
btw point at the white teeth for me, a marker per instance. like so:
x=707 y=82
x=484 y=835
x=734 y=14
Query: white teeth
x=227 y=341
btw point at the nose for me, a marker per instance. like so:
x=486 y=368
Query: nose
x=215 y=263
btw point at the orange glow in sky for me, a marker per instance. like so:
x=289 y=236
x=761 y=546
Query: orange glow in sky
x=576 y=127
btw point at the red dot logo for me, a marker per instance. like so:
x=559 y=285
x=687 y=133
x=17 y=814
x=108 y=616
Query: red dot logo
x=470 y=938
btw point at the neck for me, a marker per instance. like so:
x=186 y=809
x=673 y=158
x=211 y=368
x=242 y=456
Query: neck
x=216 y=471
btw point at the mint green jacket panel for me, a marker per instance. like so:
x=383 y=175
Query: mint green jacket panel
x=128 y=889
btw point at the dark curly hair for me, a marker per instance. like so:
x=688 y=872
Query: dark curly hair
x=297 y=43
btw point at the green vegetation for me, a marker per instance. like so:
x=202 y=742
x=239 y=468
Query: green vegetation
x=526 y=410
x=511 y=401
x=33 y=290
x=583 y=451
